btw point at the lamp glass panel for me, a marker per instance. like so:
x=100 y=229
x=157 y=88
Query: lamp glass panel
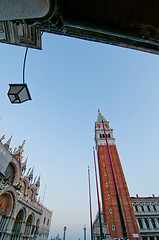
x=17 y=101
x=15 y=89
x=12 y=98
x=23 y=95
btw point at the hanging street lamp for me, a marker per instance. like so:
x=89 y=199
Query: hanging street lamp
x=19 y=93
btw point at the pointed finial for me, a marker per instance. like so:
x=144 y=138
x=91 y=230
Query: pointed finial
x=20 y=148
x=28 y=171
x=23 y=166
x=3 y=137
x=7 y=144
x=31 y=173
x=15 y=149
x=31 y=176
x=23 y=144
x=38 y=182
x=35 y=180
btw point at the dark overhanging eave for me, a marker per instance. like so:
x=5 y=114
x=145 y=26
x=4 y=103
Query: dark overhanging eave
x=86 y=32
x=126 y=23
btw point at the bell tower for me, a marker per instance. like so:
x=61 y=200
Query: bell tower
x=116 y=203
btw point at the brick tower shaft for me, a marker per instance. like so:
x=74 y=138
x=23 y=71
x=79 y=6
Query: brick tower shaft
x=109 y=188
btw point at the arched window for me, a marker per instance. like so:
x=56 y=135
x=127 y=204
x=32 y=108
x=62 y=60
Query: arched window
x=153 y=223
x=142 y=208
x=48 y=222
x=147 y=223
x=28 y=226
x=136 y=208
x=44 y=220
x=154 y=207
x=10 y=173
x=22 y=187
x=140 y=223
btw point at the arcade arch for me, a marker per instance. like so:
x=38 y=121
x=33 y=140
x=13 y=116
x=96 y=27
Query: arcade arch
x=6 y=204
x=6 y=208
x=18 y=223
x=37 y=228
x=29 y=225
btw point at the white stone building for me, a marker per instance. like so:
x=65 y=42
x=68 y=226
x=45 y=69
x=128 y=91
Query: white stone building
x=21 y=215
x=146 y=210
x=147 y=214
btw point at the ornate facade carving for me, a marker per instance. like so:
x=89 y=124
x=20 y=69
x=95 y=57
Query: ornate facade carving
x=21 y=215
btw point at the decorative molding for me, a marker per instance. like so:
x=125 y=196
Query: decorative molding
x=21 y=35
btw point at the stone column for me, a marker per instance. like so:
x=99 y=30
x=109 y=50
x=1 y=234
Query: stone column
x=150 y=223
x=22 y=228
x=29 y=229
x=33 y=231
x=143 y=223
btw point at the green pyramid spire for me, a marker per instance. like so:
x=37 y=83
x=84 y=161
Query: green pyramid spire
x=100 y=117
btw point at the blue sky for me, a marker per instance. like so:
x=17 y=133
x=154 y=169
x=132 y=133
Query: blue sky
x=68 y=81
